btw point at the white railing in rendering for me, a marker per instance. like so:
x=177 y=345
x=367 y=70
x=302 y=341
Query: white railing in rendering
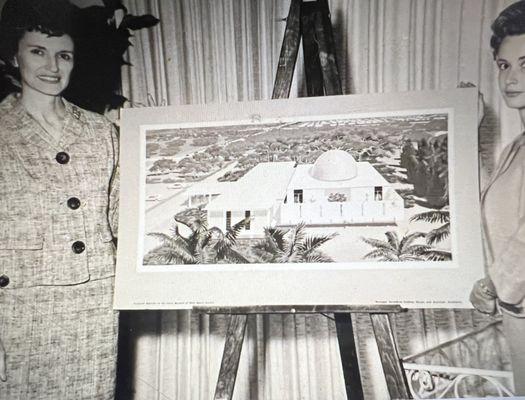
x=342 y=213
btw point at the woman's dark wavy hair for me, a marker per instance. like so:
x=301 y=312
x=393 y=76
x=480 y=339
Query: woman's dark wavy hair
x=511 y=21
x=52 y=17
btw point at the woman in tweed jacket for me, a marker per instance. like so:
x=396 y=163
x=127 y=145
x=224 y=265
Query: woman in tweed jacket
x=58 y=181
x=503 y=200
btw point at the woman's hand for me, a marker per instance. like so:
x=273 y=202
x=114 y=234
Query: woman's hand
x=481 y=102
x=3 y=374
x=481 y=109
x=483 y=296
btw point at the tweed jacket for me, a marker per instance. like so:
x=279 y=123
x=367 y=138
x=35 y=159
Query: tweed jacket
x=505 y=246
x=58 y=202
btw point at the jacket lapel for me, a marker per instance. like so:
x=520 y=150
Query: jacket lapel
x=504 y=163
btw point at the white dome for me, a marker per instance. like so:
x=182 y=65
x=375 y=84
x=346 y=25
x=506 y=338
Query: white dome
x=334 y=165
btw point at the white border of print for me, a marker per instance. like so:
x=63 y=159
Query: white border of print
x=412 y=284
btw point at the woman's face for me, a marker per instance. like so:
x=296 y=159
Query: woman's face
x=45 y=62
x=511 y=64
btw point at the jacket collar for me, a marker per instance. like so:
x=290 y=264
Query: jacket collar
x=20 y=128
x=505 y=161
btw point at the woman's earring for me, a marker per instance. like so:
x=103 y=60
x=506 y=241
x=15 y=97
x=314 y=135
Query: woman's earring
x=15 y=62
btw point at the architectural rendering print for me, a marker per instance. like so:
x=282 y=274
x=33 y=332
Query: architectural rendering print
x=347 y=189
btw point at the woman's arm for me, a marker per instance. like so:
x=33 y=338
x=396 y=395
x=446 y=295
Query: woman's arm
x=508 y=269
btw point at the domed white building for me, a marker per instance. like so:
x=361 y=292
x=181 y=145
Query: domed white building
x=335 y=190
x=334 y=165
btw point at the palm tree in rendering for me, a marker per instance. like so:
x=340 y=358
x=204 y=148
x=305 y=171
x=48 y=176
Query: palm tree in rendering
x=394 y=249
x=294 y=246
x=438 y=234
x=202 y=245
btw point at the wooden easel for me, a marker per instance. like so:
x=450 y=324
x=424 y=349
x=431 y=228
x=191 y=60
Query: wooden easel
x=392 y=366
x=311 y=21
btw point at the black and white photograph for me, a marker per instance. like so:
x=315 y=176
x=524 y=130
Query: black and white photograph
x=262 y=199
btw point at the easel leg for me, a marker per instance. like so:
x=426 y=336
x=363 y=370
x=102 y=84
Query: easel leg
x=349 y=359
x=312 y=64
x=392 y=367
x=325 y=36
x=231 y=357
x=289 y=49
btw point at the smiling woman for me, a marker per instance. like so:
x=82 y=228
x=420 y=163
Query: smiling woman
x=45 y=62
x=58 y=191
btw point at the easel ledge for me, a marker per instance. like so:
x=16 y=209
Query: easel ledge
x=302 y=309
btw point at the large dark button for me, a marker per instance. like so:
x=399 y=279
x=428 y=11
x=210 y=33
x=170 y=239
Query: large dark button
x=62 y=158
x=78 y=247
x=73 y=203
x=4 y=281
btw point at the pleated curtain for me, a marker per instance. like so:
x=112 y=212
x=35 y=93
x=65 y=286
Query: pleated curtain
x=210 y=51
